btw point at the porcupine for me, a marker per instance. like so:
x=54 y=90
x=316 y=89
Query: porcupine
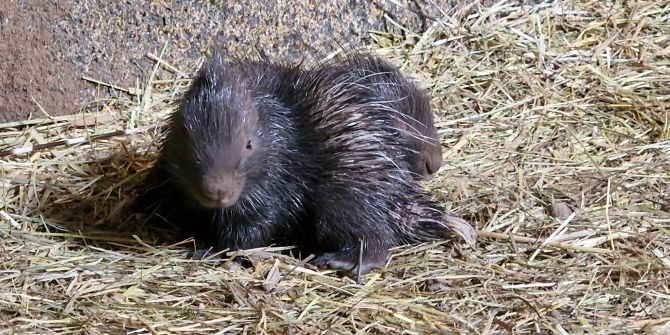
x=364 y=191
x=231 y=171
x=405 y=100
x=322 y=171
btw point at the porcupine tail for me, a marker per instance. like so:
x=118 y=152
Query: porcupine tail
x=426 y=220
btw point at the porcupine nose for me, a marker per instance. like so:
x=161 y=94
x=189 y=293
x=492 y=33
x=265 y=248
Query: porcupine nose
x=220 y=191
x=225 y=199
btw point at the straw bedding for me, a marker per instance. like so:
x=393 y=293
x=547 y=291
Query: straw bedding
x=554 y=119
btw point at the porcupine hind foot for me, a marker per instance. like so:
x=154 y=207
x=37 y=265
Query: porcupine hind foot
x=356 y=223
x=348 y=261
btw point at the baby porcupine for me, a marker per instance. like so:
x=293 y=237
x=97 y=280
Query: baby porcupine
x=404 y=100
x=260 y=152
x=231 y=171
x=365 y=192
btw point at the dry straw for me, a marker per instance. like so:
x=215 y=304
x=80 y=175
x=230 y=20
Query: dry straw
x=554 y=119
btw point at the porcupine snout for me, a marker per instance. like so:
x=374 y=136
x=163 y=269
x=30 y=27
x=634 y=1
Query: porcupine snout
x=221 y=190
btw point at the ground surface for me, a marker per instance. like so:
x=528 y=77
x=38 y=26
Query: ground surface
x=48 y=45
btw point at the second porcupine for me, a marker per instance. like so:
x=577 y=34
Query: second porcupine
x=404 y=100
x=321 y=171
x=363 y=192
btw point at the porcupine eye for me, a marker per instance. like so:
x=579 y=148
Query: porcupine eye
x=249 y=147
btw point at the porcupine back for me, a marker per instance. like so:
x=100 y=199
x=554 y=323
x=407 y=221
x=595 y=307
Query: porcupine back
x=407 y=104
x=363 y=191
x=224 y=98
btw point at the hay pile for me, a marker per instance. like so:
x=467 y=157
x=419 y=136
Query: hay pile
x=556 y=127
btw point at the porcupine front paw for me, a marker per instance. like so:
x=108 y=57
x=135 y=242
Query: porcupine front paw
x=208 y=253
x=348 y=261
x=201 y=253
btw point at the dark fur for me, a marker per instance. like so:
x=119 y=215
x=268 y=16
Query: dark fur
x=364 y=192
x=328 y=171
x=274 y=190
x=408 y=104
